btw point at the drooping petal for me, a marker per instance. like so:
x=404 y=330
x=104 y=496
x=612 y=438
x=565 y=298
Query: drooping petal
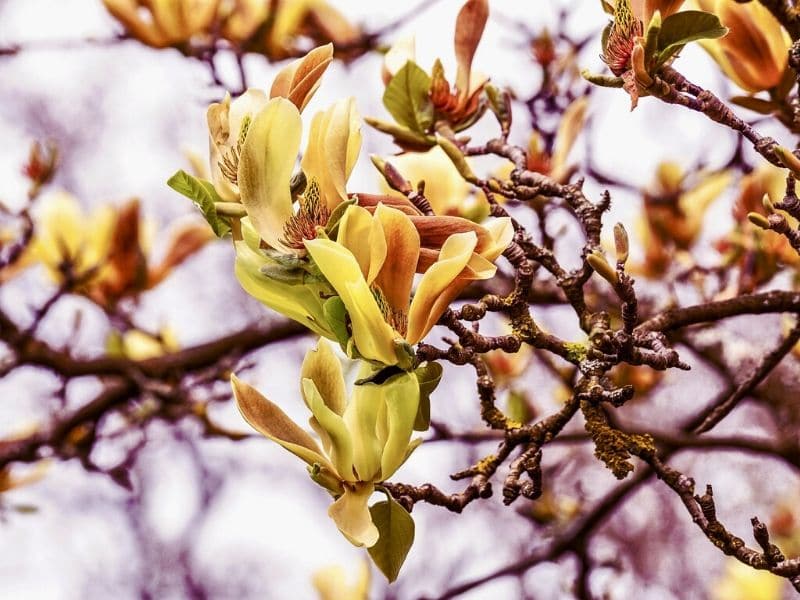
x=333 y=146
x=425 y=307
x=270 y=421
x=401 y=397
x=402 y=253
x=265 y=168
x=323 y=368
x=299 y=80
x=372 y=334
x=351 y=515
x=341 y=452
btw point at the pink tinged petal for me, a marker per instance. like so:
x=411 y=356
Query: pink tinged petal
x=270 y=421
x=351 y=515
x=265 y=168
x=469 y=28
x=402 y=253
x=427 y=306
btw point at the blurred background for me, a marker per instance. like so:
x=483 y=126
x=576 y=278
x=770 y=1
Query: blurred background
x=194 y=514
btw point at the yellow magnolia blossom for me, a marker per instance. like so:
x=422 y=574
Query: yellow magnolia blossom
x=317 y=19
x=372 y=264
x=332 y=583
x=65 y=234
x=163 y=23
x=105 y=252
x=755 y=52
x=742 y=582
x=229 y=121
x=267 y=160
x=673 y=213
x=363 y=439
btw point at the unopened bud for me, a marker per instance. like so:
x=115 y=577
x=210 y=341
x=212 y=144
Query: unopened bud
x=788 y=159
x=600 y=265
x=392 y=176
x=758 y=220
x=767 y=204
x=621 y=243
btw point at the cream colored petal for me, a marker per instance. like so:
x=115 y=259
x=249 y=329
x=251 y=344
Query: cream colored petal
x=354 y=231
x=402 y=253
x=351 y=515
x=267 y=159
x=500 y=234
x=270 y=421
x=321 y=366
x=425 y=311
x=372 y=335
x=333 y=146
x=341 y=452
x=402 y=51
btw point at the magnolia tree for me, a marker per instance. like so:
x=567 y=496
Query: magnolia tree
x=474 y=293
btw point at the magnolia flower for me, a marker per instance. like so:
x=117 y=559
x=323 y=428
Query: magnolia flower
x=674 y=212
x=460 y=105
x=372 y=263
x=106 y=252
x=363 y=439
x=755 y=52
x=316 y=19
x=163 y=23
x=229 y=122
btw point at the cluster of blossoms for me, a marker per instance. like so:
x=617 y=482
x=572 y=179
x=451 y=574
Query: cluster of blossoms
x=370 y=272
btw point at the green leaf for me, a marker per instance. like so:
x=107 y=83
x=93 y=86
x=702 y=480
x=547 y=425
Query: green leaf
x=333 y=221
x=429 y=375
x=336 y=315
x=406 y=98
x=203 y=194
x=396 y=529
x=679 y=29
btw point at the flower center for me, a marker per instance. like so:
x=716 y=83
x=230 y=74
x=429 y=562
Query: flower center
x=229 y=163
x=396 y=318
x=303 y=224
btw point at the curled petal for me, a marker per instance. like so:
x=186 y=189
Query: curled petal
x=341 y=451
x=299 y=80
x=469 y=28
x=402 y=249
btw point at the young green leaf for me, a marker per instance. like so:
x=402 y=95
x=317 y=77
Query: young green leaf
x=396 y=529
x=679 y=29
x=406 y=98
x=203 y=194
x=429 y=375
